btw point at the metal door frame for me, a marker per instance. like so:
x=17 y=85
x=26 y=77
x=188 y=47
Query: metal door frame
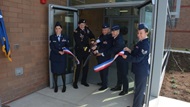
x=75 y=9
x=110 y=5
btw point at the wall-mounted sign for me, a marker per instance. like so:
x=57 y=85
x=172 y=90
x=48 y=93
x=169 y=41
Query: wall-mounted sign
x=68 y=19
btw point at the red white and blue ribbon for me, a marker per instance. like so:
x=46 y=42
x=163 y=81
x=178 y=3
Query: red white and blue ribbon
x=107 y=63
x=67 y=51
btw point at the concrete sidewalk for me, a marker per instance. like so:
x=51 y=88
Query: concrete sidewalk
x=82 y=97
x=162 y=101
x=88 y=97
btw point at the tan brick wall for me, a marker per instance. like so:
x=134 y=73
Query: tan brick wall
x=181 y=34
x=26 y=23
x=181 y=40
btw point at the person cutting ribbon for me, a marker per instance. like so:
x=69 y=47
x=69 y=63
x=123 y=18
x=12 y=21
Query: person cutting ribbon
x=122 y=66
x=103 y=43
x=82 y=35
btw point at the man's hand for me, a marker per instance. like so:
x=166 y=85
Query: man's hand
x=124 y=56
x=95 y=52
x=61 y=52
x=127 y=49
x=94 y=47
x=99 y=54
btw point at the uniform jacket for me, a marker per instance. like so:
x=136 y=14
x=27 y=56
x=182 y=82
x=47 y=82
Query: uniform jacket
x=57 y=46
x=106 y=42
x=139 y=57
x=82 y=38
x=118 y=45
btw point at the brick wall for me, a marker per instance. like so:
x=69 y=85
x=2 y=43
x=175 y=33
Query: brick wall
x=181 y=34
x=26 y=23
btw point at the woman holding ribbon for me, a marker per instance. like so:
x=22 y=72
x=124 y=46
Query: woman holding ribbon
x=57 y=56
x=140 y=65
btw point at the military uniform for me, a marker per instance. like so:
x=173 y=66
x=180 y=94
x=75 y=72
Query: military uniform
x=122 y=66
x=58 y=61
x=105 y=43
x=82 y=48
x=140 y=67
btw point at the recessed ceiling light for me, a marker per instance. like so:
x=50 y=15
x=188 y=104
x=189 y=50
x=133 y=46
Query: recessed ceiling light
x=123 y=11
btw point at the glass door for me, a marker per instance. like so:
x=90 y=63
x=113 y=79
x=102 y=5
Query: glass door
x=68 y=18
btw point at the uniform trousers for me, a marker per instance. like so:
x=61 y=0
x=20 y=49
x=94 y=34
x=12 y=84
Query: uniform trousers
x=82 y=56
x=140 y=86
x=122 y=72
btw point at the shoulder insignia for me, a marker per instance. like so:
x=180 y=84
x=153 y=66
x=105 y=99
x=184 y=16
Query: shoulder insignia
x=75 y=31
x=64 y=40
x=144 y=52
x=88 y=31
x=105 y=42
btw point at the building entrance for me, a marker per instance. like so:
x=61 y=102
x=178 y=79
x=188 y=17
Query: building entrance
x=126 y=17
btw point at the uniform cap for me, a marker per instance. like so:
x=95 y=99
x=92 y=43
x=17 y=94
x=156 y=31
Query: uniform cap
x=105 y=26
x=115 y=27
x=142 y=26
x=58 y=24
x=81 y=21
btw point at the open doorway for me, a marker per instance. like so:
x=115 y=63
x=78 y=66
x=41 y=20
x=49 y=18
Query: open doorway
x=125 y=14
x=127 y=19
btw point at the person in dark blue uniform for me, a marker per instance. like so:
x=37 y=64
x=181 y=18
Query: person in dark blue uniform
x=122 y=67
x=104 y=43
x=57 y=56
x=82 y=36
x=140 y=66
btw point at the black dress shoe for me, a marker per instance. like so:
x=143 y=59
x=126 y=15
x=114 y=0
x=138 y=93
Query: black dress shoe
x=75 y=86
x=102 y=88
x=64 y=89
x=56 y=89
x=123 y=92
x=99 y=83
x=85 y=84
x=116 y=88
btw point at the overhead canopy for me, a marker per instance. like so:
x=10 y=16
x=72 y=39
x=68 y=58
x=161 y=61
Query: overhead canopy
x=134 y=3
